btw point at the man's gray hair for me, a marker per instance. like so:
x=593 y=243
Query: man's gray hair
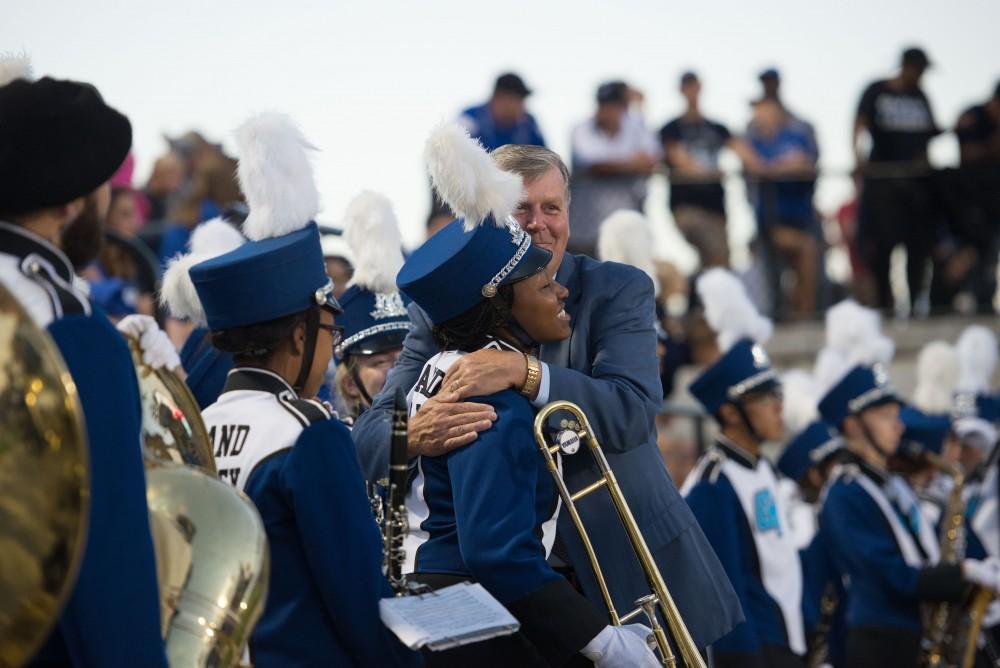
x=530 y=162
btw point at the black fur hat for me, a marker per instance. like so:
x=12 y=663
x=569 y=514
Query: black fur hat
x=58 y=141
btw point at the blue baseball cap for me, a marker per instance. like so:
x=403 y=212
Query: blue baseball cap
x=264 y=280
x=456 y=269
x=810 y=447
x=863 y=387
x=744 y=368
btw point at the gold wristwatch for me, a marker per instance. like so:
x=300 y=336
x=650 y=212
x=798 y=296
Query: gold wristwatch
x=533 y=378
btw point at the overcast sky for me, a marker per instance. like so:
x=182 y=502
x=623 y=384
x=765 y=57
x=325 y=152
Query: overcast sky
x=367 y=80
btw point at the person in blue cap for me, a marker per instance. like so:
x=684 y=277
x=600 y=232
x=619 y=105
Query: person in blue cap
x=487 y=512
x=809 y=459
x=375 y=320
x=206 y=366
x=733 y=488
x=878 y=536
x=269 y=303
x=61 y=143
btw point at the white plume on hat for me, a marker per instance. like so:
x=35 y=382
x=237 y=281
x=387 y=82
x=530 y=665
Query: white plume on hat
x=937 y=374
x=372 y=233
x=210 y=239
x=729 y=311
x=467 y=179
x=15 y=66
x=853 y=336
x=276 y=176
x=801 y=398
x=977 y=359
x=626 y=236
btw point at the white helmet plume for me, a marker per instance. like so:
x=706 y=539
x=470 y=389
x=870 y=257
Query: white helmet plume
x=937 y=374
x=276 y=176
x=210 y=239
x=729 y=311
x=977 y=359
x=626 y=236
x=372 y=233
x=467 y=179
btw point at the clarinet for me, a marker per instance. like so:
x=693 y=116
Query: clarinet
x=395 y=525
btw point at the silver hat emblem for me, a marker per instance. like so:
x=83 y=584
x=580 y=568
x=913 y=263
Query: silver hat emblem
x=388 y=305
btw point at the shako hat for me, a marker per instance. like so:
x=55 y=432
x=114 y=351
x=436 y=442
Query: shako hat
x=59 y=140
x=484 y=248
x=740 y=329
x=374 y=317
x=280 y=270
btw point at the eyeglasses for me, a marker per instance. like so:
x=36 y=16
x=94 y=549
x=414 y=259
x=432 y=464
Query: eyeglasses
x=336 y=332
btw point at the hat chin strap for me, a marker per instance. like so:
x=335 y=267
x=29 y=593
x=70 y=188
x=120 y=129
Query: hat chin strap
x=309 y=353
x=746 y=422
x=352 y=369
x=872 y=443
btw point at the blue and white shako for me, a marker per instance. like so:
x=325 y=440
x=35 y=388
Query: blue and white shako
x=743 y=369
x=373 y=322
x=457 y=269
x=863 y=387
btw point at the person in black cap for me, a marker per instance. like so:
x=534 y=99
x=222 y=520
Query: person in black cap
x=59 y=145
x=897 y=201
x=613 y=155
x=504 y=119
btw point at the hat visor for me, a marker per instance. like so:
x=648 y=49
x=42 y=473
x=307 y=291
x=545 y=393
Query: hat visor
x=379 y=343
x=535 y=259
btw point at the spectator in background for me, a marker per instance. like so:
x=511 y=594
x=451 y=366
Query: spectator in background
x=691 y=146
x=124 y=278
x=770 y=82
x=976 y=214
x=613 y=155
x=897 y=205
x=213 y=188
x=504 y=119
x=163 y=185
x=338 y=258
x=783 y=165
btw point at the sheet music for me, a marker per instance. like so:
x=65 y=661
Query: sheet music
x=456 y=615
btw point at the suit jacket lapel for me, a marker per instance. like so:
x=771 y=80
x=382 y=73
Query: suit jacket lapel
x=569 y=277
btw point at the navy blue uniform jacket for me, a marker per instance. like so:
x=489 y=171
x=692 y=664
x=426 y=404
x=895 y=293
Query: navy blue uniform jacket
x=608 y=367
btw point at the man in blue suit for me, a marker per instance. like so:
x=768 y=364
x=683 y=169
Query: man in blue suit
x=608 y=367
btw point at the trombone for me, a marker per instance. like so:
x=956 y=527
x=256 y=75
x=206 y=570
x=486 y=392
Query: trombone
x=658 y=600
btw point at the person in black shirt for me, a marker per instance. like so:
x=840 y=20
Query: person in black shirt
x=975 y=199
x=691 y=145
x=896 y=200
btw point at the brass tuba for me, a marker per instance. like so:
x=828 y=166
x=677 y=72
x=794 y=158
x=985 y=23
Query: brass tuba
x=212 y=559
x=658 y=600
x=44 y=484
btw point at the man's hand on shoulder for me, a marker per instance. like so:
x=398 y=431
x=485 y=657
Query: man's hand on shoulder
x=443 y=423
x=485 y=372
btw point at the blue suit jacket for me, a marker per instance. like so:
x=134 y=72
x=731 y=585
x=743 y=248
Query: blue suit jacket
x=608 y=367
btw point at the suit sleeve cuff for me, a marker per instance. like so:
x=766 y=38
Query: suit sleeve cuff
x=940 y=583
x=543 y=388
x=557 y=620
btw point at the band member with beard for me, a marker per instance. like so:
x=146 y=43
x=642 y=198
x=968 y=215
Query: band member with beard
x=487 y=512
x=270 y=303
x=59 y=144
x=375 y=320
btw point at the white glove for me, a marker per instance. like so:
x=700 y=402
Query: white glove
x=622 y=647
x=157 y=350
x=985 y=573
